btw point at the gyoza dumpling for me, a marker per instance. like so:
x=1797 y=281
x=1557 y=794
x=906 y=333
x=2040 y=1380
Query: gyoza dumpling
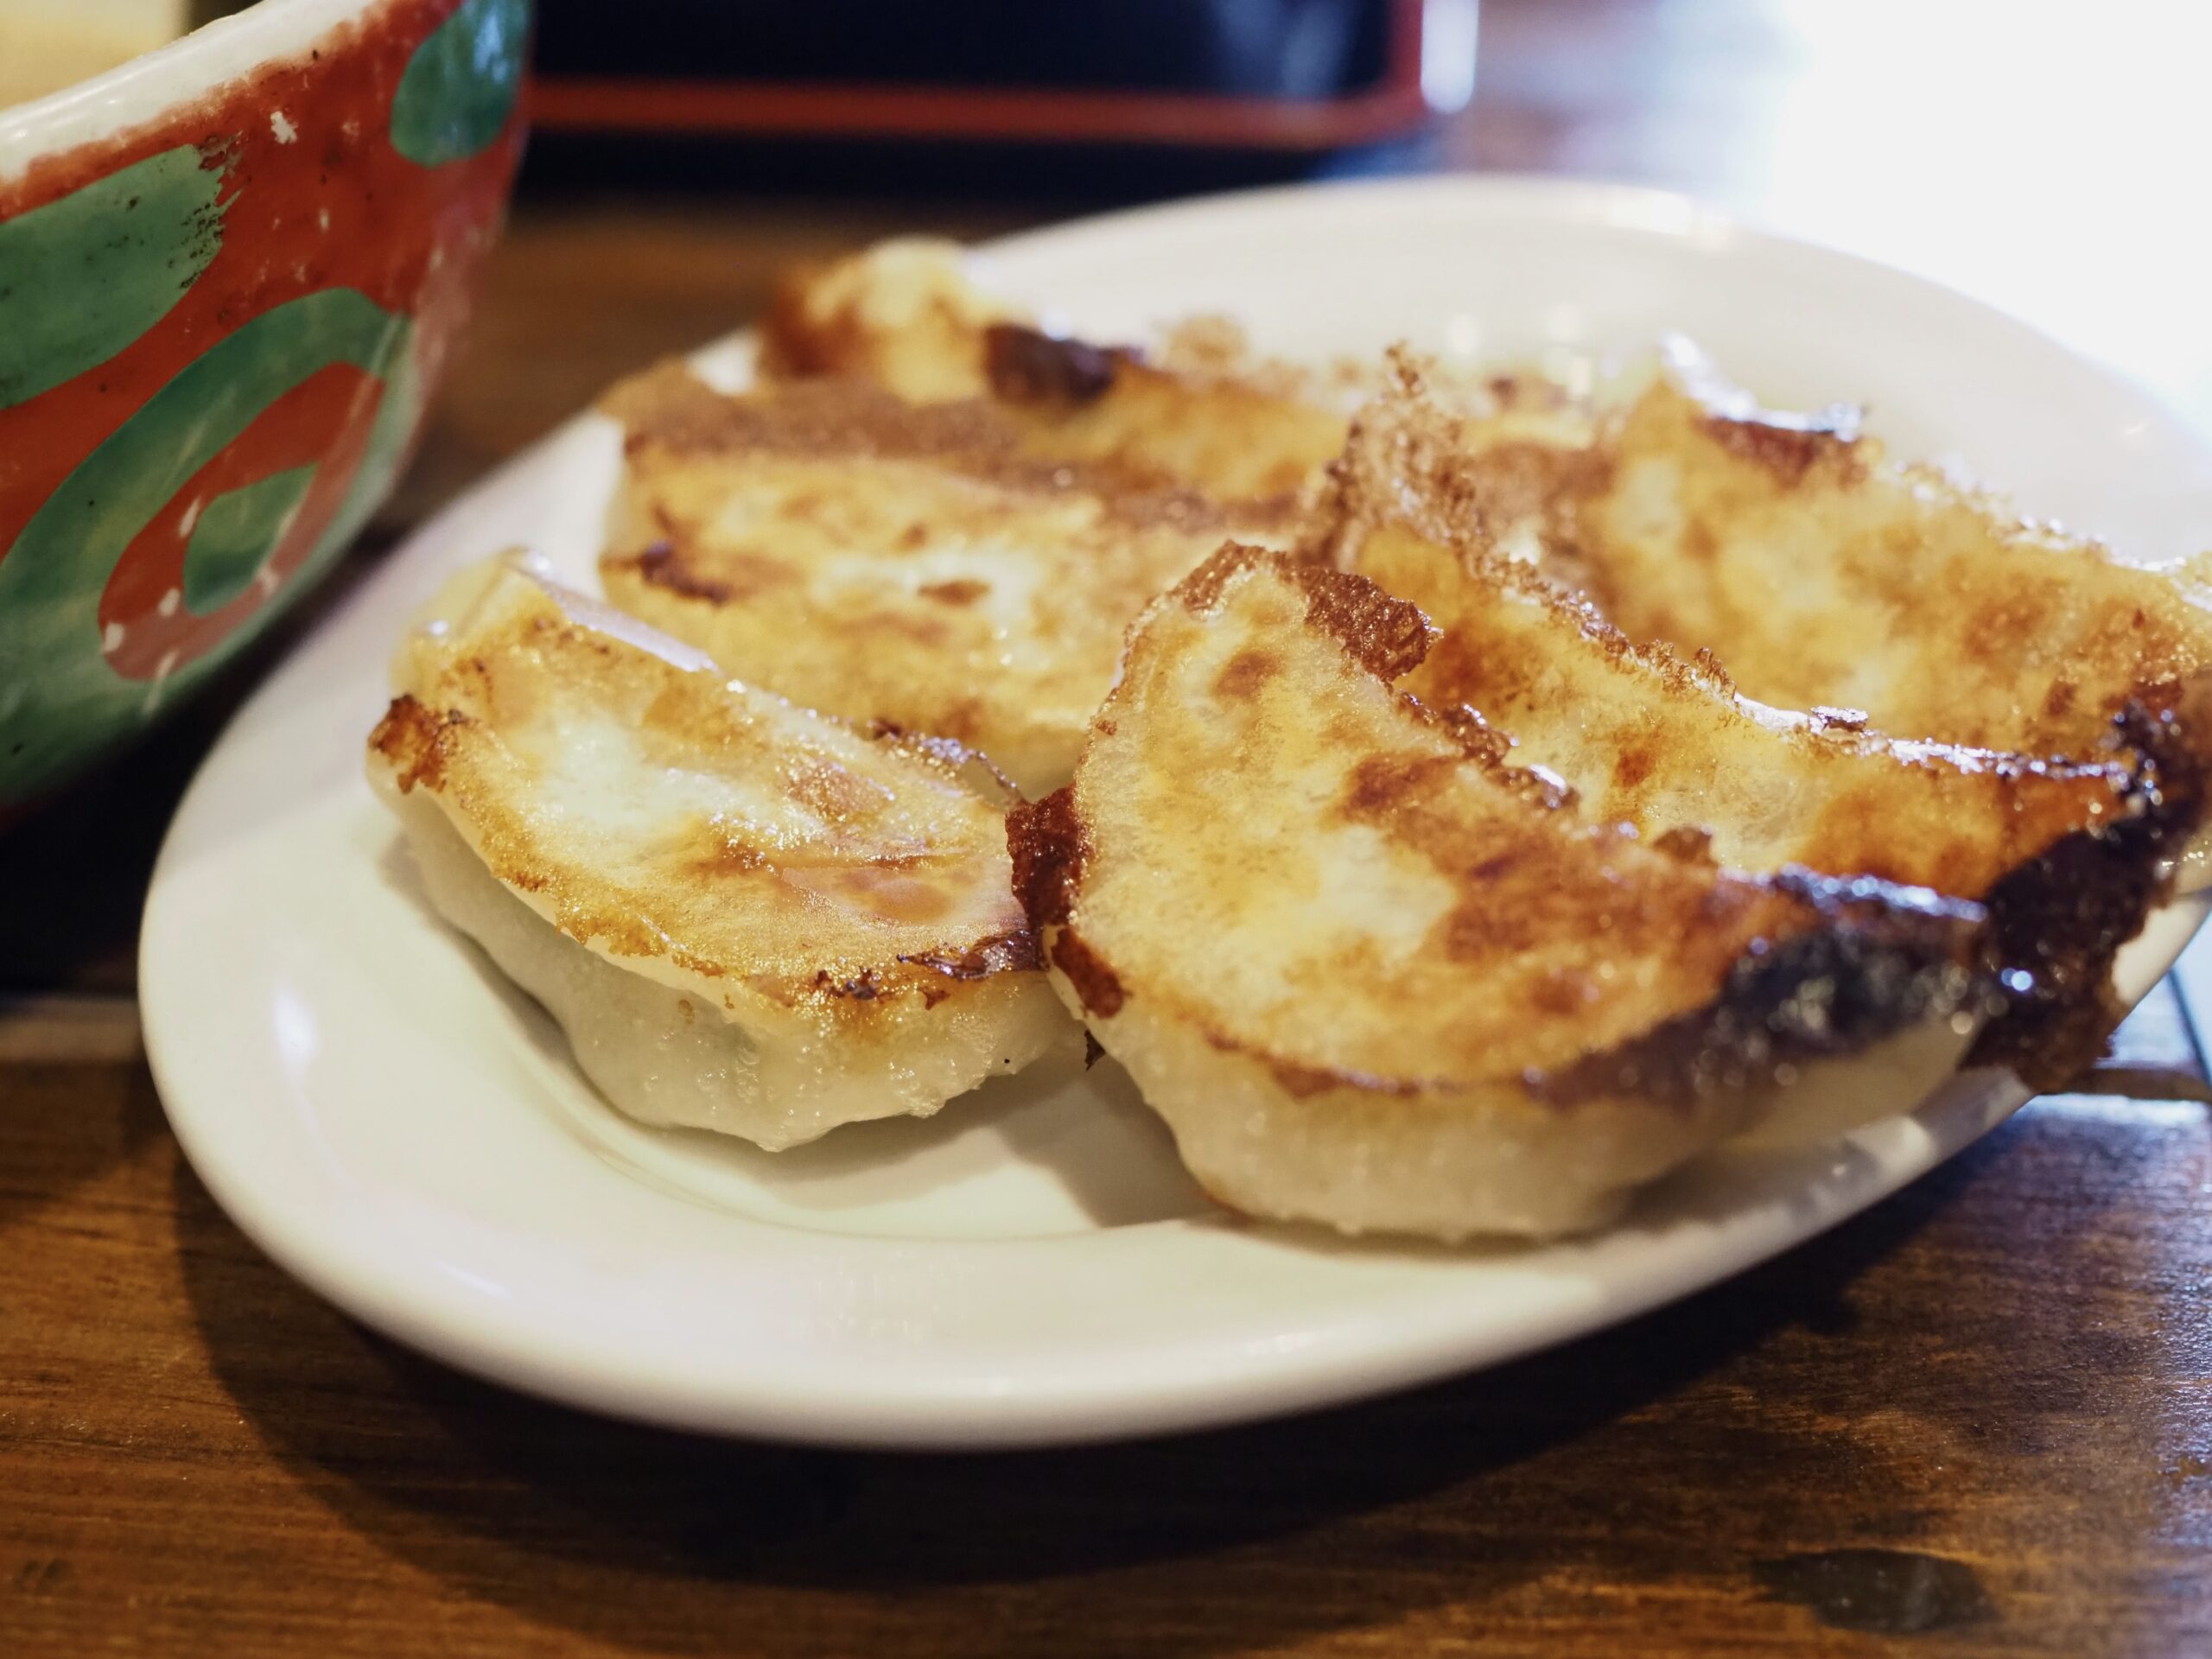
x=1195 y=407
x=1824 y=573
x=748 y=916
x=1374 y=976
x=886 y=560
x=2068 y=856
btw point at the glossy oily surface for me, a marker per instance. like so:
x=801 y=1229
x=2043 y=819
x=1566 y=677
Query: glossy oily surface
x=871 y=559
x=747 y=917
x=1376 y=976
x=403 y=1135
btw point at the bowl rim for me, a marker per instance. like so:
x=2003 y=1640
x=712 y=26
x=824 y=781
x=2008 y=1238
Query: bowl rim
x=193 y=65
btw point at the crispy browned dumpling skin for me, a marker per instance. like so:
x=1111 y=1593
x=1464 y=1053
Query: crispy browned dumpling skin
x=1234 y=435
x=2071 y=855
x=2068 y=856
x=1645 y=738
x=1373 y=975
x=1822 y=573
x=905 y=315
x=749 y=918
x=882 y=561
x=1203 y=413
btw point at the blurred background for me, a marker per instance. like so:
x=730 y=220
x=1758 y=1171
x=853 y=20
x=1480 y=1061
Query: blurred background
x=2045 y=155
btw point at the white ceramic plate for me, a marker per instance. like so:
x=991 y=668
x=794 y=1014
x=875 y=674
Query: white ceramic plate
x=394 y=1126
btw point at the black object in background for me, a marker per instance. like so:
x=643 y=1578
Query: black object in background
x=1099 y=100
x=1249 y=49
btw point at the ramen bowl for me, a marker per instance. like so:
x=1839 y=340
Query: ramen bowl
x=230 y=273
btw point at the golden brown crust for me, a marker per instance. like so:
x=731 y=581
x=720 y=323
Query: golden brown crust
x=884 y=561
x=673 y=415
x=656 y=812
x=906 y=317
x=1824 y=574
x=1789 y=547
x=1504 y=940
x=407 y=738
x=1654 y=738
x=1386 y=636
x=2067 y=854
x=1411 y=461
x=1791 y=446
x=1205 y=412
x=1231 y=438
x=903 y=315
x=795 y=343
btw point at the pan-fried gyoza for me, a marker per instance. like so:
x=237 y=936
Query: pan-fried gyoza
x=1374 y=976
x=1200 y=410
x=1823 y=573
x=747 y=918
x=887 y=561
x=1467 y=801
x=2070 y=855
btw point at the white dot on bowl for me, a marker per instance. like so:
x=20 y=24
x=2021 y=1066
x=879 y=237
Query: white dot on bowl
x=161 y=673
x=284 y=129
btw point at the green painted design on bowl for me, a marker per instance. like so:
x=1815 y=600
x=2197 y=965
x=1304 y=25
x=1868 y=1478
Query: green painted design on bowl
x=234 y=535
x=82 y=278
x=70 y=700
x=462 y=84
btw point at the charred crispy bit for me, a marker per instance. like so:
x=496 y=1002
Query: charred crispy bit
x=1821 y=572
x=1668 y=745
x=883 y=561
x=2058 y=920
x=1829 y=992
x=1375 y=977
x=747 y=918
x=1027 y=366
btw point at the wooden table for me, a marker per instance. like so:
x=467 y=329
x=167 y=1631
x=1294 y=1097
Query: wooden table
x=1976 y=1421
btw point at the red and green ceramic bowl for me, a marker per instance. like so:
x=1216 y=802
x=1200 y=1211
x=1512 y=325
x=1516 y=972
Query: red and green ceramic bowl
x=230 y=273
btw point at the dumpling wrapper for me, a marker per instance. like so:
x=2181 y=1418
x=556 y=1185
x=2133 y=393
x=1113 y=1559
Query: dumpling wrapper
x=1375 y=977
x=747 y=917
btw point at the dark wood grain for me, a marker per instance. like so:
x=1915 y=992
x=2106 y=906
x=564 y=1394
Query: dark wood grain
x=1976 y=1422
x=1979 y=1412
